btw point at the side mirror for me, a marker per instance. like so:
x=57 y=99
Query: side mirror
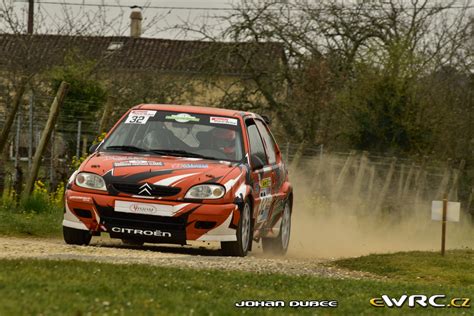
x=256 y=162
x=93 y=148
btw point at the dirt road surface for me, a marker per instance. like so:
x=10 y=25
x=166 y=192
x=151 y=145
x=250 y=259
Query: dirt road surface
x=195 y=256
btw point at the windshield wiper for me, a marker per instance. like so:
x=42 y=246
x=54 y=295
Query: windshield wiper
x=127 y=148
x=179 y=153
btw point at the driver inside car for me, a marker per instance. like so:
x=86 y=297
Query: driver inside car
x=224 y=141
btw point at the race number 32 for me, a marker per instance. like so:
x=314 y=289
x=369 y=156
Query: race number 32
x=139 y=117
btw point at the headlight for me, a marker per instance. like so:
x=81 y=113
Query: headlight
x=90 y=181
x=205 y=191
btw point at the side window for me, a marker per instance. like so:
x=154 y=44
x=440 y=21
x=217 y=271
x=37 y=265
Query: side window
x=269 y=142
x=256 y=145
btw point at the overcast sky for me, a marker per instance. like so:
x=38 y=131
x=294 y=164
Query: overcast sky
x=159 y=15
x=53 y=13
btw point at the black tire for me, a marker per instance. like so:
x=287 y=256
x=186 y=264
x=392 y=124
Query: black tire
x=131 y=242
x=76 y=236
x=240 y=247
x=279 y=245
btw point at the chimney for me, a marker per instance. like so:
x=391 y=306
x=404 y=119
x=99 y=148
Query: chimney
x=136 y=22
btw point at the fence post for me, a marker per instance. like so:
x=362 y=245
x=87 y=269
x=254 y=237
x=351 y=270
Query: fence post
x=106 y=114
x=408 y=180
x=53 y=114
x=78 y=140
x=342 y=174
x=360 y=175
x=453 y=193
x=30 y=130
x=386 y=185
x=17 y=140
x=445 y=181
x=52 y=168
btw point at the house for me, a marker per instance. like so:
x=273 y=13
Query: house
x=138 y=57
x=178 y=71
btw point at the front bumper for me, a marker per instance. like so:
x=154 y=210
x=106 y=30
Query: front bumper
x=176 y=222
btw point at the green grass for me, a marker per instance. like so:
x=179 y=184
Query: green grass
x=30 y=287
x=40 y=215
x=21 y=223
x=455 y=268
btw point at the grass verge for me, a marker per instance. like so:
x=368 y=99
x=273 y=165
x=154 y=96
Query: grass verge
x=84 y=288
x=455 y=268
x=39 y=215
x=28 y=223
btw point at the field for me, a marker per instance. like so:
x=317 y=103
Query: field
x=34 y=287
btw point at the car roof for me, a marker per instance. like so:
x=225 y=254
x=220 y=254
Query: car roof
x=195 y=109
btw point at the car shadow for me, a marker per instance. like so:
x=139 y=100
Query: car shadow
x=172 y=249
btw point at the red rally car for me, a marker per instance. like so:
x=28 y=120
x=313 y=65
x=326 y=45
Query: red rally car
x=172 y=173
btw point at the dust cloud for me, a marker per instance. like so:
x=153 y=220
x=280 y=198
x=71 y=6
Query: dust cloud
x=350 y=206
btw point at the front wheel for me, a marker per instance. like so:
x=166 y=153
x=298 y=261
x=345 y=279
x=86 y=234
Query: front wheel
x=240 y=247
x=279 y=245
x=76 y=236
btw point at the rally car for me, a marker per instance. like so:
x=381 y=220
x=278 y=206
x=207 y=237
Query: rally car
x=172 y=174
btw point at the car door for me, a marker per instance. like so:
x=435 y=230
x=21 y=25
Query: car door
x=261 y=175
x=276 y=173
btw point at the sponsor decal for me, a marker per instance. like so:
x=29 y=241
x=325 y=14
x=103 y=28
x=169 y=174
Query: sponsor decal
x=84 y=199
x=256 y=187
x=190 y=166
x=141 y=232
x=264 y=208
x=121 y=158
x=148 y=208
x=294 y=304
x=436 y=301
x=265 y=183
x=139 y=116
x=223 y=120
x=265 y=192
x=142 y=208
x=138 y=163
x=182 y=118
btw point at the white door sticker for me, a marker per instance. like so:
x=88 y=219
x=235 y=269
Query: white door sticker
x=139 y=116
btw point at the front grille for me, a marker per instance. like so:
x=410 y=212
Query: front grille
x=138 y=189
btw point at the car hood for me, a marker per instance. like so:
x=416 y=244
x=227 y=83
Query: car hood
x=157 y=170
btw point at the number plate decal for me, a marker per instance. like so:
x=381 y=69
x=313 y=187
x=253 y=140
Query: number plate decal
x=139 y=116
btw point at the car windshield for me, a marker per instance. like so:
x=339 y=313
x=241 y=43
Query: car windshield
x=178 y=134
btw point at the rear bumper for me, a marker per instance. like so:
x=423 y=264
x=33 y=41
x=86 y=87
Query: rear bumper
x=174 y=222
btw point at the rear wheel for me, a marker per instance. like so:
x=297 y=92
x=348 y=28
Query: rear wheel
x=240 y=247
x=279 y=245
x=76 y=236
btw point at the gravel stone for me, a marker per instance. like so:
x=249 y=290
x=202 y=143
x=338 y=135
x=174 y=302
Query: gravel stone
x=193 y=256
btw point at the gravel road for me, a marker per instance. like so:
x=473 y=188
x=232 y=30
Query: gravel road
x=194 y=256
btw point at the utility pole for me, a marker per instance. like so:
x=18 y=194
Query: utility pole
x=31 y=15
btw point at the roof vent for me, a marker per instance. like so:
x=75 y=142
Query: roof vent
x=115 y=46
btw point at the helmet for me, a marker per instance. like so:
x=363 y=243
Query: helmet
x=153 y=140
x=224 y=139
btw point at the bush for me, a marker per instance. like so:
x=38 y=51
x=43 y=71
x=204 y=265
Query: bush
x=39 y=215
